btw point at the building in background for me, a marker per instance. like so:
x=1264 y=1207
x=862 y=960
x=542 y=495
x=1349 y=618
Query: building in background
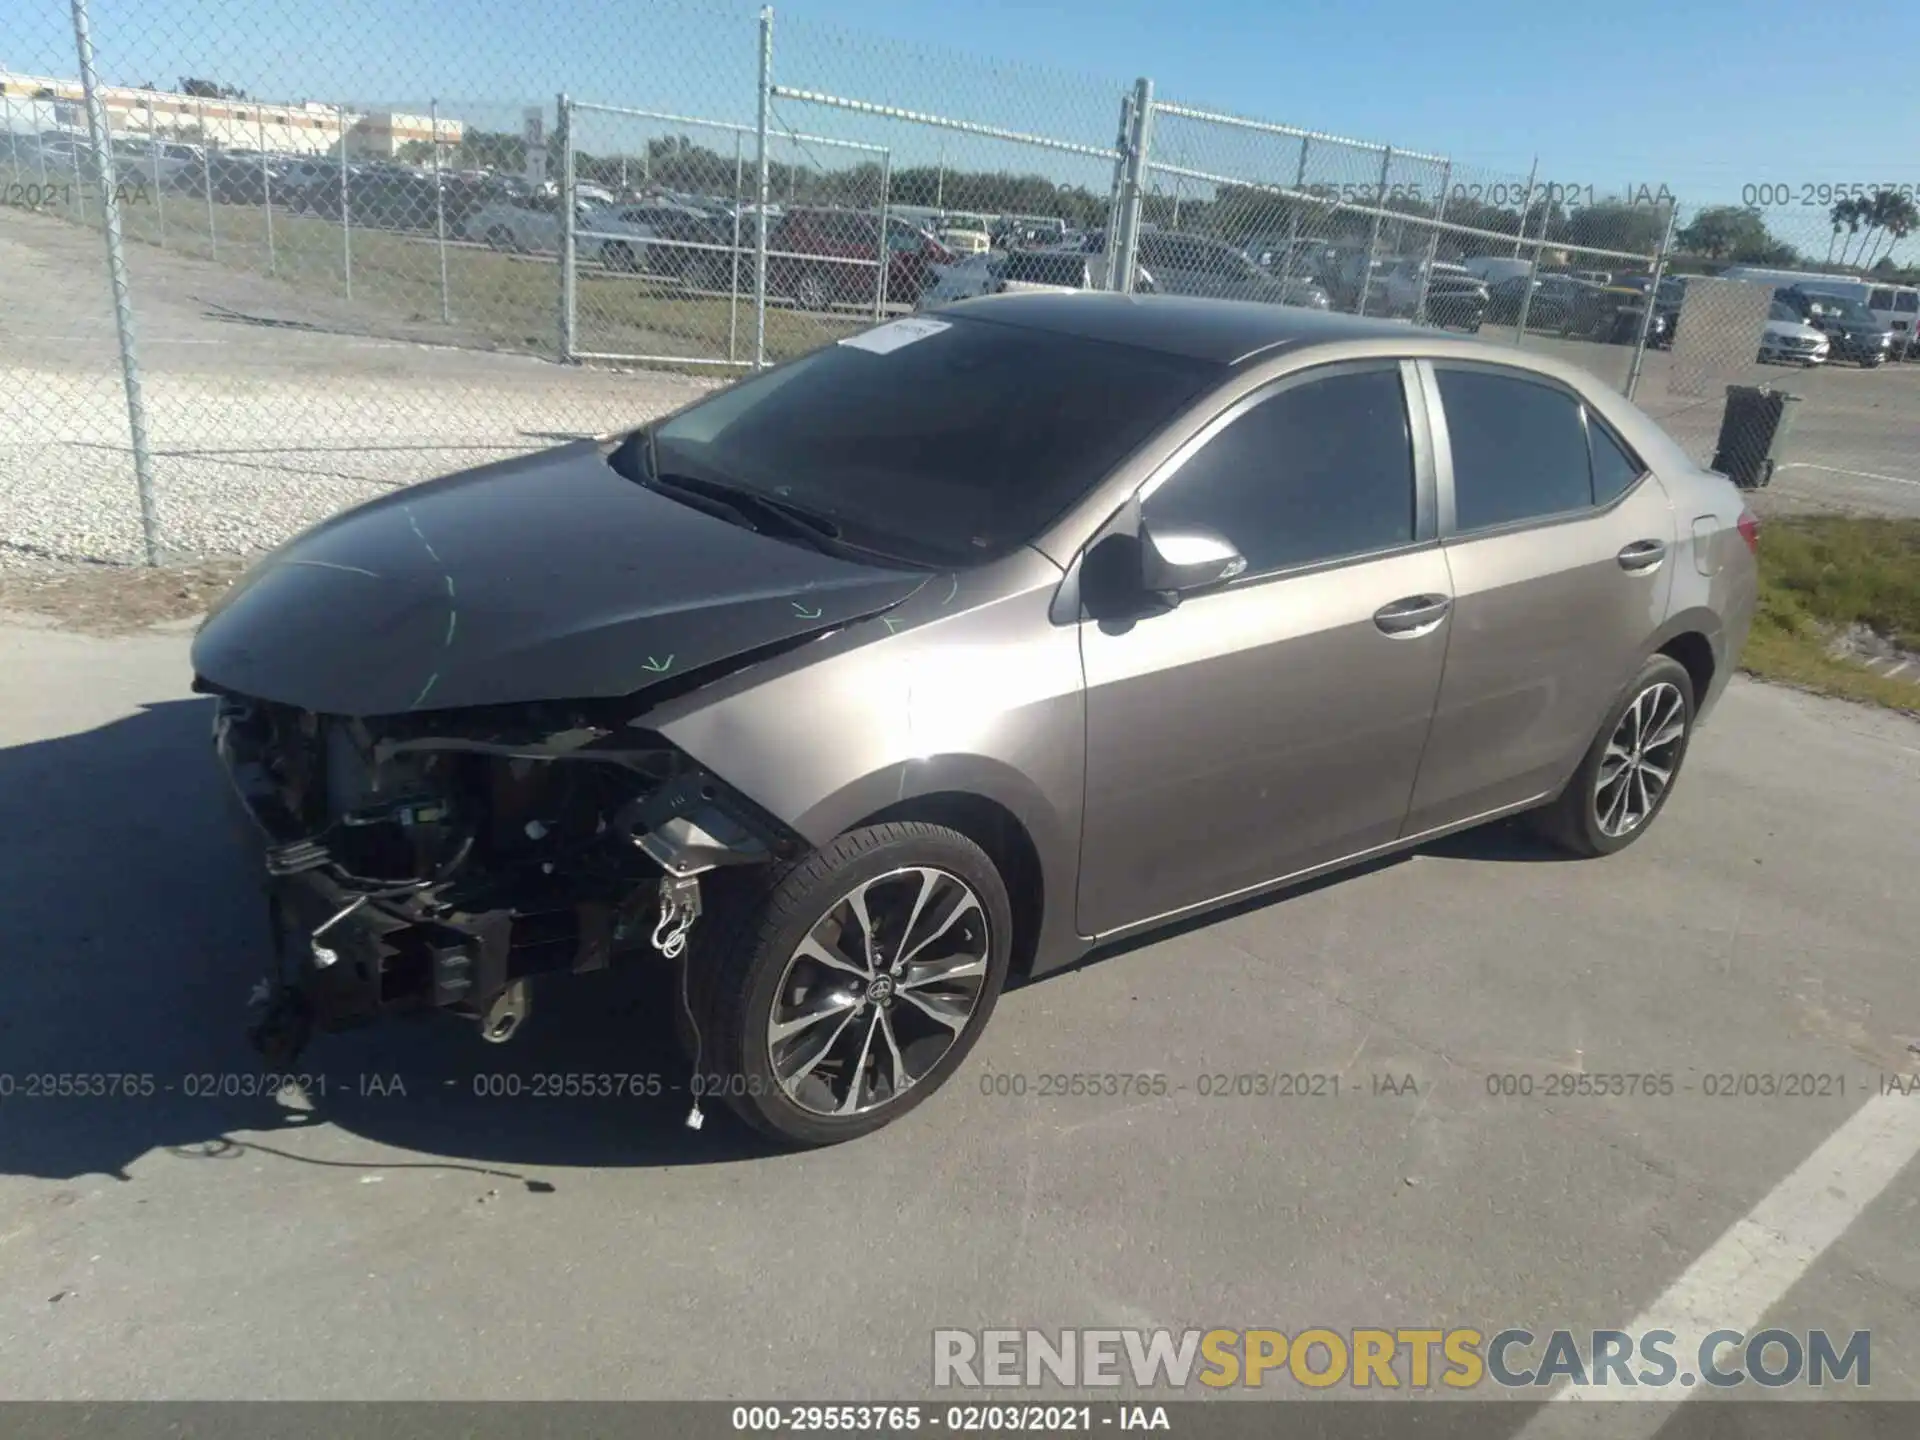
x=32 y=104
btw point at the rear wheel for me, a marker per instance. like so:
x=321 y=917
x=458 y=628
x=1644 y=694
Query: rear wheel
x=836 y=995
x=499 y=238
x=1630 y=769
x=811 y=292
x=618 y=255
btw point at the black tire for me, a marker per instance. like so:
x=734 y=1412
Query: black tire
x=1873 y=362
x=618 y=255
x=756 y=922
x=501 y=239
x=1573 y=819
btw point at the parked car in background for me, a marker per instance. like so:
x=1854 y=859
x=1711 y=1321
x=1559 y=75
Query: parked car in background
x=1849 y=325
x=1559 y=303
x=964 y=242
x=960 y=645
x=817 y=256
x=1496 y=268
x=1787 y=340
x=680 y=241
x=1014 y=271
x=1454 y=299
x=1201 y=266
x=530 y=225
x=1667 y=303
x=1898 y=308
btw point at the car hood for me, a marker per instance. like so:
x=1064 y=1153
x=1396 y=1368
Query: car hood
x=1792 y=330
x=542 y=578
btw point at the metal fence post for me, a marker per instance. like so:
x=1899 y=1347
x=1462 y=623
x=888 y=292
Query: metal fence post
x=117 y=276
x=153 y=155
x=346 y=211
x=206 y=181
x=733 y=253
x=1653 y=297
x=1117 y=197
x=1433 y=243
x=1293 y=216
x=79 y=180
x=1533 y=275
x=1520 y=233
x=886 y=253
x=439 y=212
x=1127 y=253
x=760 y=193
x=266 y=191
x=568 y=244
x=1373 y=233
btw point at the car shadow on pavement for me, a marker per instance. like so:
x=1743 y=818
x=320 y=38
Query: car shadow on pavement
x=132 y=932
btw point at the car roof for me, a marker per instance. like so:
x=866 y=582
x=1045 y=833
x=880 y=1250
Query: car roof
x=1226 y=332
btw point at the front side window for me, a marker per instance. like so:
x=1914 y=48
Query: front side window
x=1321 y=471
x=1880 y=300
x=1519 y=448
x=949 y=449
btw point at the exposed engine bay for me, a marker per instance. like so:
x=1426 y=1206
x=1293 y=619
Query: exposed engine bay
x=413 y=869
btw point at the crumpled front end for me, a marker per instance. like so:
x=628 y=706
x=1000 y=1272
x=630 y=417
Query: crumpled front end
x=424 y=863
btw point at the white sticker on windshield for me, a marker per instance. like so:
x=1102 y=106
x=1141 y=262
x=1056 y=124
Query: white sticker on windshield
x=889 y=338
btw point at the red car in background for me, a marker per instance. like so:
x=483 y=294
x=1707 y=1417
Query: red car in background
x=818 y=257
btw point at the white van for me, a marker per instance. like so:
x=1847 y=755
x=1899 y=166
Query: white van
x=1898 y=308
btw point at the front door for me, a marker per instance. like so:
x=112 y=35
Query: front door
x=1559 y=543
x=1276 y=722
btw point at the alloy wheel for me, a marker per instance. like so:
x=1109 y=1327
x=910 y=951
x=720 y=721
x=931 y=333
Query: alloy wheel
x=1639 y=761
x=880 y=989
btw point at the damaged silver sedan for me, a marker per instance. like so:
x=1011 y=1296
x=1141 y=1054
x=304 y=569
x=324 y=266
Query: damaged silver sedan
x=948 y=652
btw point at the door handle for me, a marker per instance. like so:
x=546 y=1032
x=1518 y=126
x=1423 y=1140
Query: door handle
x=1643 y=555
x=1415 y=615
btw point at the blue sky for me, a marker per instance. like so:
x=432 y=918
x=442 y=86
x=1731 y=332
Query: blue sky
x=1707 y=98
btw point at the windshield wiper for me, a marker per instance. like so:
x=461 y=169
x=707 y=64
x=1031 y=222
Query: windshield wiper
x=785 y=514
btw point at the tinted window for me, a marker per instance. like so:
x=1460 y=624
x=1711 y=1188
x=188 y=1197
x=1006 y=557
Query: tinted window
x=950 y=449
x=1782 y=312
x=1519 y=449
x=1907 y=302
x=1880 y=300
x=1319 y=471
x=1613 y=468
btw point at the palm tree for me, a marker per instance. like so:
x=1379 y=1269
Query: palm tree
x=1896 y=217
x=1847 y=215
x=1872 y=208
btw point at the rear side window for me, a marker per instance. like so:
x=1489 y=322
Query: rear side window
x=1907 y=302
x=1614 y=468
x=1319 y=472
x=1519 y=449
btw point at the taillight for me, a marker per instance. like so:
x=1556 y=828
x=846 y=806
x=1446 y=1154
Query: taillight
x=1750 y=530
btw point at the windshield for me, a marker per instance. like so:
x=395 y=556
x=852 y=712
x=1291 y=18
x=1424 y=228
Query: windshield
x=953 y=447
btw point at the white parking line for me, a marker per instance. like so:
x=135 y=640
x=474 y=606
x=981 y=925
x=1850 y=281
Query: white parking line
x=1751 y=1267
x=1836 y=470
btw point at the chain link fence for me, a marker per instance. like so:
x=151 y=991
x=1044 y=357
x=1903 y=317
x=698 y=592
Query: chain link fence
x=350 y=273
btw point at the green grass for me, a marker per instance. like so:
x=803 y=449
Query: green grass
x=492 y=300
x=1819 y=575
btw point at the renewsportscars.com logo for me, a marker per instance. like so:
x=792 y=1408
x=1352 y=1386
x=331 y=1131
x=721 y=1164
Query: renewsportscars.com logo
x=1402 y=1359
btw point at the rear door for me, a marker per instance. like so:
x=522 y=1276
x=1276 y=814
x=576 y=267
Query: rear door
x=1274 y=723
x=1560 y=543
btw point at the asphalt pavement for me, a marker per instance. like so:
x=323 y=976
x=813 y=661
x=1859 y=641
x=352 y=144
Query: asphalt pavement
x=408 y=1231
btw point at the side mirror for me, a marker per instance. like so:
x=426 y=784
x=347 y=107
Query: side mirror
x=1176 y=561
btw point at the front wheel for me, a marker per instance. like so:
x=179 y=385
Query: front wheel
x=1630 y=769
x=836 y=995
